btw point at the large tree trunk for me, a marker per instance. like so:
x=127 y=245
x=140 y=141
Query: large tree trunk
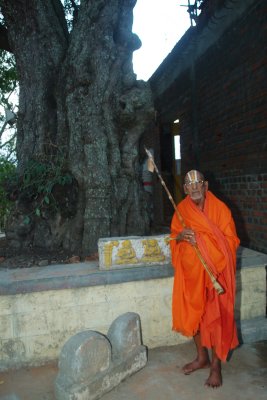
x=79 y=99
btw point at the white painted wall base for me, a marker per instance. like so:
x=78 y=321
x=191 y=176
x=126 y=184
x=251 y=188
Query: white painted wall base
x=35 y=325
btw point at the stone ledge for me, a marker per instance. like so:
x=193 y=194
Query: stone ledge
x=250 y=258
x=252 y=330
x=67 y=276
x=56 y=277
x=36 y=318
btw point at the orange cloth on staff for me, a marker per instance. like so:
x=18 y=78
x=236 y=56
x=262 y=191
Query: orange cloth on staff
x=196 y=304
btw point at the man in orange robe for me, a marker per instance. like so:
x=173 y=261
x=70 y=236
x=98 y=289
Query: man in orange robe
x=198 y=310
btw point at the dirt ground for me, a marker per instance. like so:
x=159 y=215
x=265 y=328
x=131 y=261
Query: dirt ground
x=37 y=257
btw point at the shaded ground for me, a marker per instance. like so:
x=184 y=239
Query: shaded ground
x=37 y=257
x=244 y=378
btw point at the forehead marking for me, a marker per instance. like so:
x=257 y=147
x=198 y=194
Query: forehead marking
x=192 y=176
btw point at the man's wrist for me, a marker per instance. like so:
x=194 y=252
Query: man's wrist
x=178 y=237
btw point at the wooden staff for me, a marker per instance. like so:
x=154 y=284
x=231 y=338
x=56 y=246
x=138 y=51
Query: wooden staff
x=215 y=283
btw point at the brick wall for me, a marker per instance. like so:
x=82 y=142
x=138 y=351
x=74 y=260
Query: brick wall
x=246 y=195
x=225 y=135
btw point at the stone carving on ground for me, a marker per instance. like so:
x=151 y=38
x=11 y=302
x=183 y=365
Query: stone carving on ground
x=91 y=364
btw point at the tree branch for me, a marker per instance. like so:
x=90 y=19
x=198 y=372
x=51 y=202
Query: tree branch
x=8 y=141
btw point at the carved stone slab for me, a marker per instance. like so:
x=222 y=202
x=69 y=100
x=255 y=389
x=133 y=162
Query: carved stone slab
x=133 y=251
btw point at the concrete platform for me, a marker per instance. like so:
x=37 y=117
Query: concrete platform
x=244 y=378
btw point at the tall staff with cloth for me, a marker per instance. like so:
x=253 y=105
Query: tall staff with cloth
x=197 y=308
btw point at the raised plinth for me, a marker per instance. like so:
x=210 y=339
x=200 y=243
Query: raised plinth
x=40 y=308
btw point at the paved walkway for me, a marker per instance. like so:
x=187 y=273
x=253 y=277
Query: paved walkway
x=244 y=378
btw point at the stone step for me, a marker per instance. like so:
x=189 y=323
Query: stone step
x=252 y=330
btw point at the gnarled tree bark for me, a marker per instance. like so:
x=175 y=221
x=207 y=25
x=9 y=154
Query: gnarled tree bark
x=79 y=97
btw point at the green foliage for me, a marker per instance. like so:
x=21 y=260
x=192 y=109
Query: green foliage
x=38 y=181
x=7 y=172
x=8 y=148
x=8 y=89
x=8 y=73
x=35 y=188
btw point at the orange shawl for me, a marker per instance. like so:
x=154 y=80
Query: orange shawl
x=196 y=305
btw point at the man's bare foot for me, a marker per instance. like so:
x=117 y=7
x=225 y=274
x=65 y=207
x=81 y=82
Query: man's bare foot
x=215 y=378
x=194 y=365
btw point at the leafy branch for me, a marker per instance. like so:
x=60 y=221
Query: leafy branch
x=35 y=187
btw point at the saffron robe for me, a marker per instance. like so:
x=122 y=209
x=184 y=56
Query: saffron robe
x=196 y=306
